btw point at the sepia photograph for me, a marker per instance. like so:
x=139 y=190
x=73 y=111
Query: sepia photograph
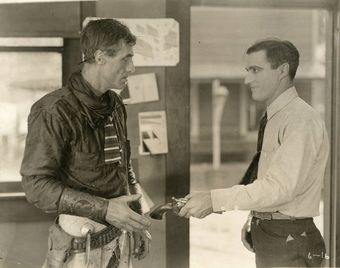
x=169 y=133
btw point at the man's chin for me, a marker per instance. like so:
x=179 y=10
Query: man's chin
x=122 y=86
x=256 y=97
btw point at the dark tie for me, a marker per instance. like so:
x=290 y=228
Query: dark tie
x=251 y=173
x=112 y=150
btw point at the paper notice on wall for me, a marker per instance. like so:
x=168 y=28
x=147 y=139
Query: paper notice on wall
x=157 y=40
x=142 y=88
x=152 y=133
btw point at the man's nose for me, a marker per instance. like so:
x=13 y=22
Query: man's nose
x=131 y=67
x=248 y=78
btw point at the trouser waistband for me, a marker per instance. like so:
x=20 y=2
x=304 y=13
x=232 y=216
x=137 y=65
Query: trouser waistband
x=275 y=216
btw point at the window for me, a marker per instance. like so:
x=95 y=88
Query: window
x=30 y=68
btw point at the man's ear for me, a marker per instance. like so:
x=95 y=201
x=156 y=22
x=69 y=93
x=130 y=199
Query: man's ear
x=99 y=57
x=284 y=70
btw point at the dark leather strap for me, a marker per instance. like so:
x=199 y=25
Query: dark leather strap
x=98 y=239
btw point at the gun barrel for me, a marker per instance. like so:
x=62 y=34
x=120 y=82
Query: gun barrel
x=174 y=205
x=158 y=212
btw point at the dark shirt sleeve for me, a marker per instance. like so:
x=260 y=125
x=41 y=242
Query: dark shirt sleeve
x=46 y=148
x=40 y=169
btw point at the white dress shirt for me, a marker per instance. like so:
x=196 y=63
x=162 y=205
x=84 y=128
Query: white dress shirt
x=292 y=163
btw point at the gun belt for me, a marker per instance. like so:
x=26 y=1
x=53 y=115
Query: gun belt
x=98 y=239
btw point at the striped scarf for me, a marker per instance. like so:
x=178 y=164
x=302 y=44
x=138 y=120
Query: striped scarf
x=112 y=147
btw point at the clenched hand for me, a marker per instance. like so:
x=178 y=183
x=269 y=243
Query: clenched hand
x=120 y=215
x=199 y=205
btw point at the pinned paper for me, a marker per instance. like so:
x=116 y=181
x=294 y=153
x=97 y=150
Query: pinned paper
x=142 y=88
x=157 y=40
x=152 y=133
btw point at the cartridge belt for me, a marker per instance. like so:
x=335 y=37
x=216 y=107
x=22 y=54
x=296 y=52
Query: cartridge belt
x=98 y=239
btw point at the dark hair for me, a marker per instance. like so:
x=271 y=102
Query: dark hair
x=104 y=35
x=278 y=52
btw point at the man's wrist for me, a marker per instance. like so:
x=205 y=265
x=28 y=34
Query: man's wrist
x=82 y=204
x=217 y=201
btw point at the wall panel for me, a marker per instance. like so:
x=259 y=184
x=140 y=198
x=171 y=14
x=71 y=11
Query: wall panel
x=40 y=19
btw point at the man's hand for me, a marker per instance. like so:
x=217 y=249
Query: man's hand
x=142 y=244
x=120 y=215
x=246 y=236
x=199 y=205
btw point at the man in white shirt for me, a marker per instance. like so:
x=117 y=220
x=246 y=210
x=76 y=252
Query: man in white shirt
x=282 y=186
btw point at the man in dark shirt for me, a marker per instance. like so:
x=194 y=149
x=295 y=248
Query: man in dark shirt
x=77 y=158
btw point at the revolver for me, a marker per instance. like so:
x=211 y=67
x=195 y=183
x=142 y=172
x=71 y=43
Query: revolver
x=174 y=206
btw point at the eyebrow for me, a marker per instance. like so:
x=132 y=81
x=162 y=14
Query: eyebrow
x=128 y=55
x=253 y=67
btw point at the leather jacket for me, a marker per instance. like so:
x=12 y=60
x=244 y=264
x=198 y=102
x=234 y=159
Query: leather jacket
x=64 y=153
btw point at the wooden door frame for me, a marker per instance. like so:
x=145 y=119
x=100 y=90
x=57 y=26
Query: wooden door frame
x=177 y=98
x=335 y=136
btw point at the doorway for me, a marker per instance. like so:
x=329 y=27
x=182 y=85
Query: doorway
x=219 y=37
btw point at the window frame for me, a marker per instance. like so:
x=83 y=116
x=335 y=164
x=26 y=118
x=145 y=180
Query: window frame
x=10 y=190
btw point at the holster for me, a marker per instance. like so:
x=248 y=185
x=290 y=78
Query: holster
x=59 y=247
x=62 y=245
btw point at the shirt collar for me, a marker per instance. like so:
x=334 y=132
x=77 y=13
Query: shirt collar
x=281 y=101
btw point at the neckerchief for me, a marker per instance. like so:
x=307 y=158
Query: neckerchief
x=96 y=108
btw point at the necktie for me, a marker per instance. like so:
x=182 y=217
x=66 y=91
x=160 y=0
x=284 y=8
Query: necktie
x=251 y=173
x=112 y=150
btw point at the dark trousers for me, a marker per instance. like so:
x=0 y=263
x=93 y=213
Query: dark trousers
x=287 y=243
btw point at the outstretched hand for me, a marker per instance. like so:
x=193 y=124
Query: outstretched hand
x=122 y=216
x=199 y=205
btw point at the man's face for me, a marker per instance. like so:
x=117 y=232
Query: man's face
x=117 y=68
x=261 y=78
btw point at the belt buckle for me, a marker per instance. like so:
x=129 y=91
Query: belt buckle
x=280 y=216
x=266 y=216
x=262 y=215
